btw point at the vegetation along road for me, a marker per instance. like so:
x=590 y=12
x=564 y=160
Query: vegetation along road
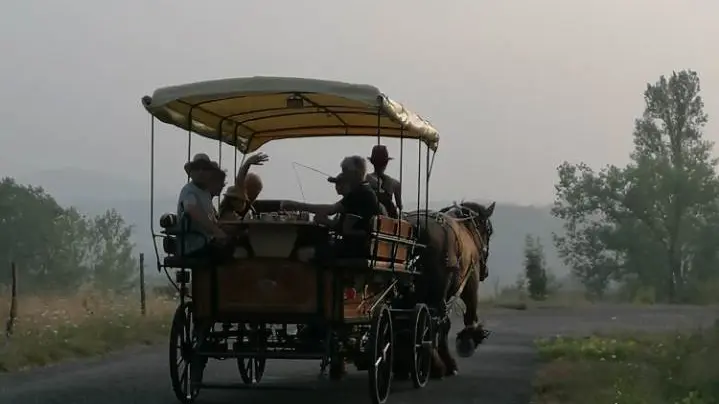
x=501 y=371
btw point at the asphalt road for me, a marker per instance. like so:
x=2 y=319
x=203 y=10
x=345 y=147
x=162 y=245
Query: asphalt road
x=499 y=373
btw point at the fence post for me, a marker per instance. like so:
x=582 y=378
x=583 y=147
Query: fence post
x=143 y=307
x=10 y=325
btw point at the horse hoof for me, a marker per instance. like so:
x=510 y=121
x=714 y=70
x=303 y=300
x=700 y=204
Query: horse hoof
x=465 y=347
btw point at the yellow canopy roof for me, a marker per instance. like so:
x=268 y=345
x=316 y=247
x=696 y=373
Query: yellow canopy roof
x=249 y=112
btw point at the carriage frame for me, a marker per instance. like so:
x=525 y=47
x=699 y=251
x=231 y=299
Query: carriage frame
x=255 y=322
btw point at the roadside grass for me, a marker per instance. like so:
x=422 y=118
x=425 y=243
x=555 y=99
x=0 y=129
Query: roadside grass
x=513 y=299
x=630 y=369
x=51 y=329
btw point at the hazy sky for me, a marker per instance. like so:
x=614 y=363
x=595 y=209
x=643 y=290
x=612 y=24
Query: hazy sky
x=515 y=87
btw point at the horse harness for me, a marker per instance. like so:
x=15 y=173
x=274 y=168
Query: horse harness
x=442 y=218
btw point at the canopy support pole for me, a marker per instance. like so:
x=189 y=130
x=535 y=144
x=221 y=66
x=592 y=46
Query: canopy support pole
x=426 y=188
x=152 y=188
x=401 y=162
x=189 y=137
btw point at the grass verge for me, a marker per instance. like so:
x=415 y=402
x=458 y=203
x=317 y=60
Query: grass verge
x=518 y=300
x=630 y=369
x=53 y=329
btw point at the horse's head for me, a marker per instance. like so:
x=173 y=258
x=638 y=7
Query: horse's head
x=478 y=218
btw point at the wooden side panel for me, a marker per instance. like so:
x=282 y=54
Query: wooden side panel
x=405 y=229
x=351 y=310
x=382 y=250
x=261 y=286
x=394 y=227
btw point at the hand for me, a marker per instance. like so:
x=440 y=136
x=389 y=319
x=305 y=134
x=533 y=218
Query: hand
x=257 y=159
x=322 y=219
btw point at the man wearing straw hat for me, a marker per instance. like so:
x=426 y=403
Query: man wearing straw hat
x=385 y=186
x=202 y=234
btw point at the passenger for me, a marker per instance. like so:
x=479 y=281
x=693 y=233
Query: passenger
x=232 y=203
x=240 y=196
x=356 y=208
x=253 y=188
x=202 y=235
x=342 y=189
x=385 y=186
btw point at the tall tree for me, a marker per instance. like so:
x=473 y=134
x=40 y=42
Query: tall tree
x=29 y=232
x=113 y=264
x=58 y=249
x=646 y=219
x=535 y=268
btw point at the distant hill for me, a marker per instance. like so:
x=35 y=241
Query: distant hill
x=80 y=188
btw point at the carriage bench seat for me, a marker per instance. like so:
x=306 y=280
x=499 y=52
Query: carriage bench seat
x=389 y=246
x=171 y=236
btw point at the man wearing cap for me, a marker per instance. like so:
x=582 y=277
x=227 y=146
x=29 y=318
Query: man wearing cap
x=385 y=186
x=356 y=208
x=202 y=234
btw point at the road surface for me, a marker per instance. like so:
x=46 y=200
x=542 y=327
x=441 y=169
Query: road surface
x=499 y=373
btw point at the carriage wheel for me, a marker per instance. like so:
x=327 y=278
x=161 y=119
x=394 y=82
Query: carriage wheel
x=185 y=368
x=251 y=369
x=381 y=341
x=422 y=342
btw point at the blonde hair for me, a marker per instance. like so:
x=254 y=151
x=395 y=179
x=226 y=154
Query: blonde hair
x=253 y=185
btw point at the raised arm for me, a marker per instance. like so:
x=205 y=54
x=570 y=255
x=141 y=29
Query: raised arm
x=256 y=159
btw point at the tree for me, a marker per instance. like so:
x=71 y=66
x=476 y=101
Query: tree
x=649 y=220
x=59 y=249
x=31 y=235
x=535 y=268
x=113 y=264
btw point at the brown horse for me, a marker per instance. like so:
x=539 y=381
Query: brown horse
x=453 y=263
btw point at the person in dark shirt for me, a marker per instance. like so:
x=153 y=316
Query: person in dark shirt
x=386 y=187
x=356 y=208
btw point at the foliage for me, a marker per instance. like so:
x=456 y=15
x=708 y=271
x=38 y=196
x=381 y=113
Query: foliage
x=658 y=369
x=655 y=221
x=535 y=268
x=53 y=328
x=57 y=248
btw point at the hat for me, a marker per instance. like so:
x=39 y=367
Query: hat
x=379 y=155
x=201 y=161
x=337 y=178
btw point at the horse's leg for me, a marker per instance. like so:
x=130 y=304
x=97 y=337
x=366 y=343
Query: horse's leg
x=443 y=351
x=473 y=333
x=430 y=284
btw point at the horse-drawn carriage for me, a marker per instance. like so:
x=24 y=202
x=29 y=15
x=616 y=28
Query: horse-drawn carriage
x=282 y=295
